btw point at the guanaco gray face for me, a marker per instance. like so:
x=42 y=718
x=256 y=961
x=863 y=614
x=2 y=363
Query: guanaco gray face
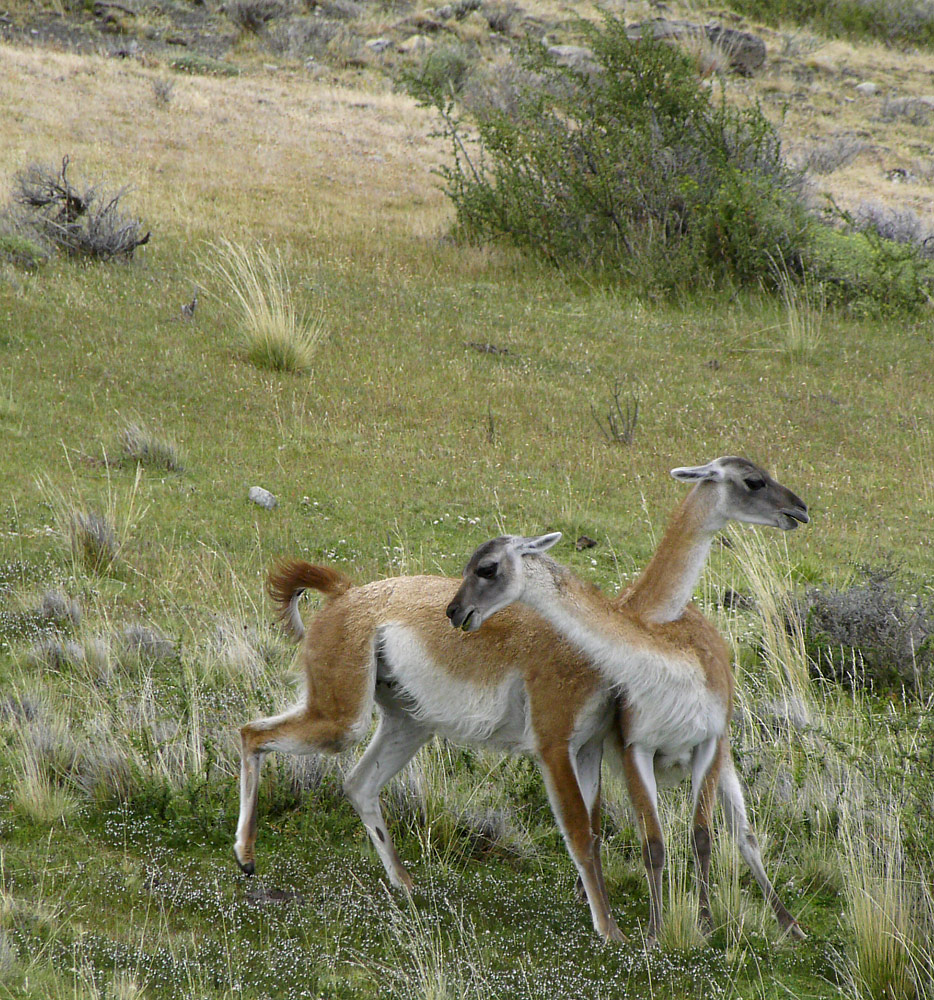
x=745 y=492
x=493 y=578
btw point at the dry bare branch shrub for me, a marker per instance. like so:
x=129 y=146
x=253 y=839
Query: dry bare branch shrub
x=162 y=90
x=826 y=157
x=83 y=222
x=253 y=15
x=501 y=16
x=915 y=110
x=620 y=425
x=869 y=635
x=897 y=225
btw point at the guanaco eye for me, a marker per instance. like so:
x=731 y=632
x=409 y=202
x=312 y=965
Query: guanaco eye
x=487 y=571
x=755 y=484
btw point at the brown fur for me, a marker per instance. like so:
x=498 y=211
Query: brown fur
x=289 y=577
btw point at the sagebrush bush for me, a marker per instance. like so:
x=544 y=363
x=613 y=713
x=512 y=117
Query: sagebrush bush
x=870 y=635
x=80 y=221
x=626 y=164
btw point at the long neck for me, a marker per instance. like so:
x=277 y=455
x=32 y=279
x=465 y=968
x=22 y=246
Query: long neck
x=576 y=610
x=667 y=583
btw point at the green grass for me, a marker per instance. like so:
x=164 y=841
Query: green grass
x=402 y=449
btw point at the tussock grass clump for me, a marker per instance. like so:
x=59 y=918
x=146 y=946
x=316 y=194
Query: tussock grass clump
x=804 y=303
x=143 y=644
x=43 y=756
x=96 y=538
x=881 y=959
x=276 y=334
x=94 y=542
x=148 y=447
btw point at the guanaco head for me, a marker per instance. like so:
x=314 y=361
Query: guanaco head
x=741 y=491
x=494 y=578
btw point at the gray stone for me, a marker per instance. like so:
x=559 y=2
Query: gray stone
x=745 y=51
x=379 y=44
x=262 y=497
x=867 y=88
x=575 y=56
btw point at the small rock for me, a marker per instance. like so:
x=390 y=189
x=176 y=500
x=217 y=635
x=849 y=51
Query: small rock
x=415 y=43
x=585 y=542
x=262 y=497
x=378 y=44
x=574 y=56
x=867 y=88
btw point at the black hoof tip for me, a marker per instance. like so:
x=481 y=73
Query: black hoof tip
x=248 y=869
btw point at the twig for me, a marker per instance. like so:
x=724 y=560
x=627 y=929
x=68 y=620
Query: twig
x=620 y=425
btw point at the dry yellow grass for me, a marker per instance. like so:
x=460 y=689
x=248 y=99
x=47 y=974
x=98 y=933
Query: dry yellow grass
x=322 y=157
x=317 y=158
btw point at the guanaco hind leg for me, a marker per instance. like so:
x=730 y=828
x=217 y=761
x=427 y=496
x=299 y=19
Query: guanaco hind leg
x=734 y=806
x=574 y=819
x=588 y=760
x=639 y=769
x=705 y=774
x=302 y=730
x=396 y=740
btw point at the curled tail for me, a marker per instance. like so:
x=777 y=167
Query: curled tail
x=290 y=578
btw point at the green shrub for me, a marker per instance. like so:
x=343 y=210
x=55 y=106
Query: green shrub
x=203 y=66
x=444 y=69
x=868 y=274
x=624 y=164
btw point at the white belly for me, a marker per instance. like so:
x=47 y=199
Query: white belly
x=463 y=711
x=671 y=710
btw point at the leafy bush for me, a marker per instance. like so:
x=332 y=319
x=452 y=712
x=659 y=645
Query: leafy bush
x=626 y=164
x=204 y=66
x=869 y=635
x=444 y=69
x=868 y=273
x=907 y=22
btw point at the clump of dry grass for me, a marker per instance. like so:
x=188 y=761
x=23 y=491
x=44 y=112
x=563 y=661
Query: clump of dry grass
x=96 y=539
x=93 y=541
x=881 y=960
x=276 y=334
x=148 y=447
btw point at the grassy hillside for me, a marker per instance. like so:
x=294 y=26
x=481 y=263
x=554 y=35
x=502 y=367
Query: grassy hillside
x=451 y=398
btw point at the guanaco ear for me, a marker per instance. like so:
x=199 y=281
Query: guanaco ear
x=695 y=473
x=538 y=544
